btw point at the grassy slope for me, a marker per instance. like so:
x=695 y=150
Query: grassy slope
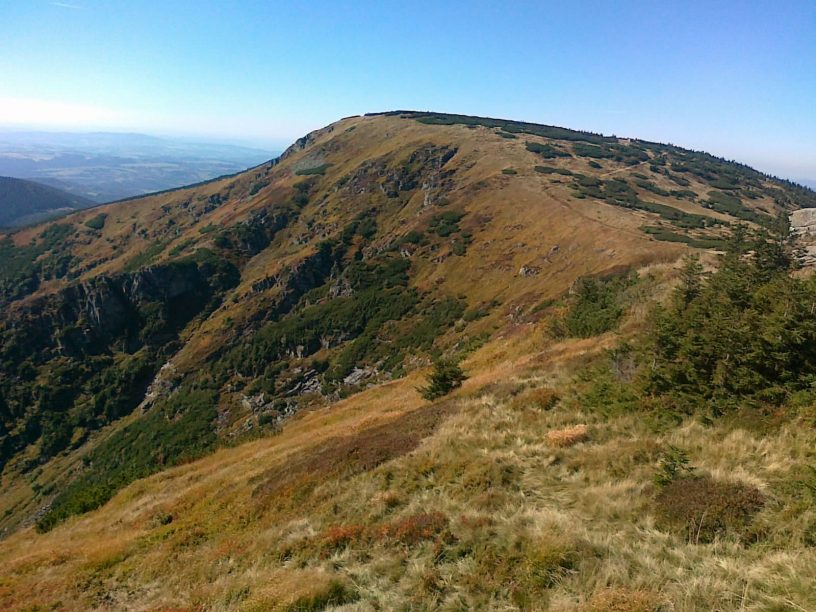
x=515 y=220
x=122 y=554
x=481 y=512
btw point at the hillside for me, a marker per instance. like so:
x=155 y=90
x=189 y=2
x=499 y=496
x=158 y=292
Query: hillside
x=23 y=202
x=280 y=321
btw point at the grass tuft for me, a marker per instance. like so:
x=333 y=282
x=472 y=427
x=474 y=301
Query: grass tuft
x=562 y=438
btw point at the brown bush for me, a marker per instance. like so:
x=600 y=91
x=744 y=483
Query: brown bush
x=623 y=600
x=341 y=536
x=701 y=508
x=541 y=398
x=561 y=438
x=476 y=521
x=416 y=527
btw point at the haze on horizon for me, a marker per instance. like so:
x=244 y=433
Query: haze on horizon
x=735 y=79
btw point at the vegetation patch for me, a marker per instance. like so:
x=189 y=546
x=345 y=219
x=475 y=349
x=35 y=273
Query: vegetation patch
x=552 y=170
x=744 y=332
x=618 y=192
x=513 y=127
x=335 y=593
x=698 y=242
x=320 y=170
x=539 y=398
x=547 y=151
x=701 y=509
x=349 y=455
x=25 y=267
x=145 y=257
x=177 y=430
x=412 y=529
x=96 y=222
x=650 y=186
x=732 y=205
x=522 y=568
x=595 y=308
x=445 y=377
x=445 y=223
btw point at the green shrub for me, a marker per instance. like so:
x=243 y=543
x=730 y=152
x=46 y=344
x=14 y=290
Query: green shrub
x=145 y=257
x=744 y=333
x=445 y=377
x=698 y=242
x=321 y=170
x=97 y=222
x=547 y=151
x=552 y=170
x=732 y=205
x=588 y=150
x=673 y=464
x=256 y=187
x=446 y=223
x=649 y=186
x=596 y=307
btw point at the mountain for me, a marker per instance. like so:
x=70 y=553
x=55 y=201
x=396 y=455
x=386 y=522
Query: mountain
x=216 y=397
x=103 y=166
x=23 y=202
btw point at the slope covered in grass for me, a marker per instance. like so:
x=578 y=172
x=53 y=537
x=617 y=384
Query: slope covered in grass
x=284 y=318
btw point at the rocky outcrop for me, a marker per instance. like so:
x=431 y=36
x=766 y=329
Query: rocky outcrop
x=803 y=231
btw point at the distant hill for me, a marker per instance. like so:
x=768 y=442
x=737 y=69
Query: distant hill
x=23 y=202
x=103 y=167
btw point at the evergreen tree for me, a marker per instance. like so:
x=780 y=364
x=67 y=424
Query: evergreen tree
x=446 y=376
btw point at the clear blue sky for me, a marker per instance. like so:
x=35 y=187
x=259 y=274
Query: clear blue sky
x=736 y=78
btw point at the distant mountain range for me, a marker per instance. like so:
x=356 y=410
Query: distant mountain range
x=23 y=202
x=103 y=167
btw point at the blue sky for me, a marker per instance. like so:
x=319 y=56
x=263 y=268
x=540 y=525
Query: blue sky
x=735 y=78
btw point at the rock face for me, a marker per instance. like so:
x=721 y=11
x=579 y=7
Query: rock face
x=803 y=229
x=86 y=317
x=803 y=221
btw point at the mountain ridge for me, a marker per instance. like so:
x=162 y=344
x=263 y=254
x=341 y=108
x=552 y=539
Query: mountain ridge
x=295 y=296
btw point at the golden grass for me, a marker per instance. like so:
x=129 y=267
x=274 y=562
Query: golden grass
x=623 y=600
x=562 y=438
x=460 y=505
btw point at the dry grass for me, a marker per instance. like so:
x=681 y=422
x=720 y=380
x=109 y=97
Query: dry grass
x=385 y=502
x=562 y=438
x=623 y=600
